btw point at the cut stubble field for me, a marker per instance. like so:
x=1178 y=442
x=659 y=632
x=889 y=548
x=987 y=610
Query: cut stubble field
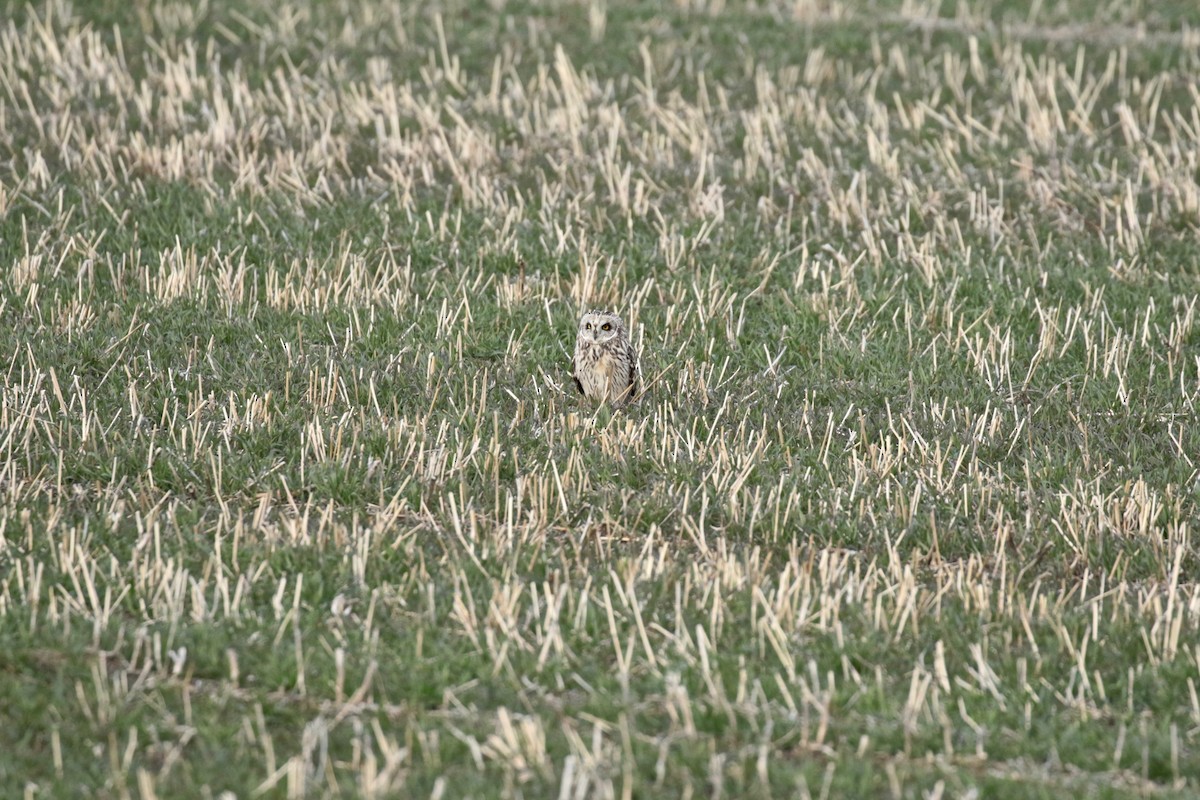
x=297 y=497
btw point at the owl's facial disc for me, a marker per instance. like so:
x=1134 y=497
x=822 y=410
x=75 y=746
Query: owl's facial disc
x=598 y=327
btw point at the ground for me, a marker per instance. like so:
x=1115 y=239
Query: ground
x=297 y=497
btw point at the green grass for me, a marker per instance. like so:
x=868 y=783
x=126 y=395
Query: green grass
x=297 y=499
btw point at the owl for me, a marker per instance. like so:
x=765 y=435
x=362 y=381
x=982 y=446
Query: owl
x=606 y=365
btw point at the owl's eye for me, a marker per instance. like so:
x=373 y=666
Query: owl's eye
x=587 y=326
x=606 y=326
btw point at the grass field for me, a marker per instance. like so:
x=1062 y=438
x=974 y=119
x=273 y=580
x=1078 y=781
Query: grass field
x=297 y=498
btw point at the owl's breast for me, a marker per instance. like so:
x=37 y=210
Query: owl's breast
x=587 y=353
x=595 y=367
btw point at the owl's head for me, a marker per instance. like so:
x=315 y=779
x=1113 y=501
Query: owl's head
x=600 y=326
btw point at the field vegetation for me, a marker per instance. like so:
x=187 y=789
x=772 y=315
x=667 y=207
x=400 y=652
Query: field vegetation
x=297 y=498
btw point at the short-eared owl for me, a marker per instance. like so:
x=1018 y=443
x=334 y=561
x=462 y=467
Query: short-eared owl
x=606 y=366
